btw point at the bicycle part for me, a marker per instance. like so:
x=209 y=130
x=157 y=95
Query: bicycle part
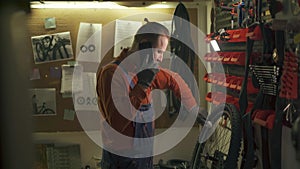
x=60 y=49
x=44 y=110
x=221 y=150
x=41 y=55
x=295 y=7
x=179 y=164
x=48 y=111
x=174 y=164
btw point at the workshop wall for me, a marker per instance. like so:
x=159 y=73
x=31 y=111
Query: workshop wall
x=68 y=20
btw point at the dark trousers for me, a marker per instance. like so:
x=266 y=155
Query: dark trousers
x=113 y=161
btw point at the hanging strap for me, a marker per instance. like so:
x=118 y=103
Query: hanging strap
x=182 y=48
x=275 y=147
x=265 y=149
x=243 y=104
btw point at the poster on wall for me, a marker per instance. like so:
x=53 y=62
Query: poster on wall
x=52 y=47
x=124 y=32
x=88 y=46
x=87 y=100
x=71 y=79
x=43 y=101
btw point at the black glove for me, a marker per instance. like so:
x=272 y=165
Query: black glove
x=149 y=68
x=146 y=76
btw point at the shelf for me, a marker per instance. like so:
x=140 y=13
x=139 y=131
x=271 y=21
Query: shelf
x=217 y=98
x=233 y=58
x=230 y=81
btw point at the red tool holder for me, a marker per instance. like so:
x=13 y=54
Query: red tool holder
x=229 y=81
x=254 y=33
x=236 y=58
x=264 y=118
x=237 y=35
x=289 y=78
x=220 y=97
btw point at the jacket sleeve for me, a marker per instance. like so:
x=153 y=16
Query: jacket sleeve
x=166 y=79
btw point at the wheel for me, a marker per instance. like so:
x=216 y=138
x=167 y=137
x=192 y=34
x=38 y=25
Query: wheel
x=222 y=149
x=40 y=52
x=295 y=6
x=48 y=111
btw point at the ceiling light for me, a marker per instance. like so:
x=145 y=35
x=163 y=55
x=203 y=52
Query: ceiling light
x=76 y=4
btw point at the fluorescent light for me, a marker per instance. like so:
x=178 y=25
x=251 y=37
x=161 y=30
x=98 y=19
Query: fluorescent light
x=109 y=4
x=160 y=5
x=215 y=45
x=77 y=4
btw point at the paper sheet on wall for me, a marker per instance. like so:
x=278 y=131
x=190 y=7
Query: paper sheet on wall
x=88 y=47
x=69 y=114
x=125 y=30
x=43 y=101
x=52 y=47
x=35 y=74
x=71 y=80
x=87 y=98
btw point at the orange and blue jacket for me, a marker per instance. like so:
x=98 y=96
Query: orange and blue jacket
x=129 y=100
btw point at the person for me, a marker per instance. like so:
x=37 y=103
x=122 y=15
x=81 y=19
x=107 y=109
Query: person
x=124 y=94
x=34 y=104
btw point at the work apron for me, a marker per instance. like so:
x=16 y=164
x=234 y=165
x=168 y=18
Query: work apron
x=142 y=130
